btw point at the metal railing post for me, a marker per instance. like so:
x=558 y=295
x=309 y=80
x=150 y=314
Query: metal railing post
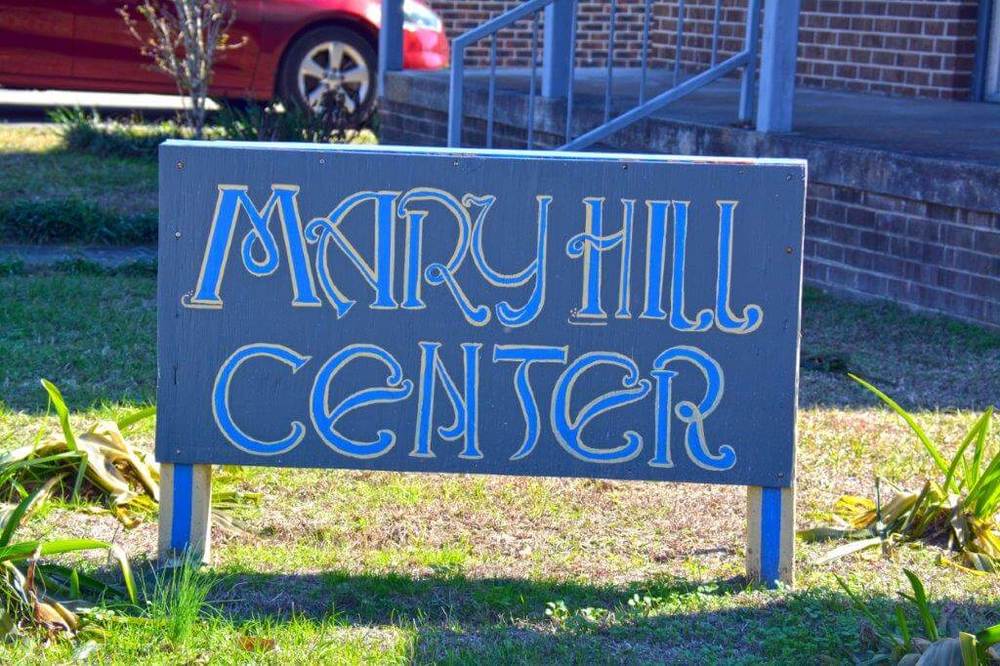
x=644 y=58
x=570 y=56
x=679 y=40
x=777 y=65
x=747 y=81
x=986 y=9
x=390 y=41
x=456 y=89
x=556 y=40
x=456 y=81
x=610 y=64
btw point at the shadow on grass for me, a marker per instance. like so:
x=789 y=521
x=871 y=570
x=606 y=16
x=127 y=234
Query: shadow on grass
x=499 y=620
x=925 y=362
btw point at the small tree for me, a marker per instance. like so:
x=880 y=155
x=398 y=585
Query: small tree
x=186 y=38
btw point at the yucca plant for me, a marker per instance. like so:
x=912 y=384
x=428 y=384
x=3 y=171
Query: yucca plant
x=29 y=587
x=99 y=463
x=960 y=509
x=98 y=466
x=901 y=646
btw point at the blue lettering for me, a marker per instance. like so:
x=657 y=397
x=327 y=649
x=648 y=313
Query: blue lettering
x=590 y=245
x=568 y=430
x=524 y=356
x=437 y=273
x=324 y=420
x=326 y=230
x=465 y=405
x=689 y=413
x=678 y=320
x=656 y=231
x=507 y=314
x=232 y=199
x=728 y=321
x=220 y=400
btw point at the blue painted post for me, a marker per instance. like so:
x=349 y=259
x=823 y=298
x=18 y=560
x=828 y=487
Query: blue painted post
x=777 y=65
x=770 y=556
x=390 y=41
x=556 y=68
x=185 y=510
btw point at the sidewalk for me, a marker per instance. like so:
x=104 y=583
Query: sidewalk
x=47 y=255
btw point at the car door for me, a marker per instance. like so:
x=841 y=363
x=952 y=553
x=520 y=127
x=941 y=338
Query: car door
x=36 y=41
x=109 y=54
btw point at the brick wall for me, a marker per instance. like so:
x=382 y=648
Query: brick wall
x=898 y=47
x=915 y=252
x=514 y=43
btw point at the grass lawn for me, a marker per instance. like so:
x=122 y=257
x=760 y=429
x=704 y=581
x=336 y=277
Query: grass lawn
x=350 y=567
x=50 y=194
x=34 y=168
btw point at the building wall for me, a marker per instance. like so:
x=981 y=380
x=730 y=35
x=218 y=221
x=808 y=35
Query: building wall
x=939 y=257
x=919 y=48
x=900 y=47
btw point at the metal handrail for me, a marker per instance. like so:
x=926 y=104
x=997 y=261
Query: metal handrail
x=658 y=102
x=490 y=28
x=746 y=59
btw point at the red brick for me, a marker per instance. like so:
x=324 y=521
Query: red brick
x=924 y=35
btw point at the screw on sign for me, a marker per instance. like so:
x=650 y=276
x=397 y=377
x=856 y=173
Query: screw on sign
x=578 y=315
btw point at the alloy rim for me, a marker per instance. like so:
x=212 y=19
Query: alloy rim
x=333 y=70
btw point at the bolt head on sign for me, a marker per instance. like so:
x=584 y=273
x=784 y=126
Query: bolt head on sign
x=495 y=312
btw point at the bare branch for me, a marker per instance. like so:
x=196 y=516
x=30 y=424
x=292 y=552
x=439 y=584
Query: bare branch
x=183 y=39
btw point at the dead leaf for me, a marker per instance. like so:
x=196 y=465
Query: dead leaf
x=257 y=644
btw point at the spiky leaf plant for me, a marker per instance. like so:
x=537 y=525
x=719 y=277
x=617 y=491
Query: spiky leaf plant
x=901 y=646
x=29 y=587
x=961 y=508
x=98 y=466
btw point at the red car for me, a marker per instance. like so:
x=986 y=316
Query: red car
x=294 y=49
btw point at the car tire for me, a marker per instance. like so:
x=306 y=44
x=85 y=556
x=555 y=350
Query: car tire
x=326 y=60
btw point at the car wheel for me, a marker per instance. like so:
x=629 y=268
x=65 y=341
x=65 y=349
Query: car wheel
x=331 y=66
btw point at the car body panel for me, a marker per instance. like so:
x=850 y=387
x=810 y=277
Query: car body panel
x=26 y=23
x=84 y=45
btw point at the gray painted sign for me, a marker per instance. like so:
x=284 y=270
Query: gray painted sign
x=496 y=312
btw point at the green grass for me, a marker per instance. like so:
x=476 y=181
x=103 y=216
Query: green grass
x=36 y=169
x=71 y=220
x=178 y=600
x=361 y=567
x=86 y=132
x=93 y=335
x=89 y=184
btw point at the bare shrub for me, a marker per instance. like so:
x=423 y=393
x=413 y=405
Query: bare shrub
x=184 y=40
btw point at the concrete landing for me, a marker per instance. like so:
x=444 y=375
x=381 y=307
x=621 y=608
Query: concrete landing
x=964 y=131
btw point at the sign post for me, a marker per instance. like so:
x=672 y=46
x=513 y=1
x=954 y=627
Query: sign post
x=488 y=312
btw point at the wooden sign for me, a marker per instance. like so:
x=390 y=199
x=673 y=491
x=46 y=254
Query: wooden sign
x=486 y=312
